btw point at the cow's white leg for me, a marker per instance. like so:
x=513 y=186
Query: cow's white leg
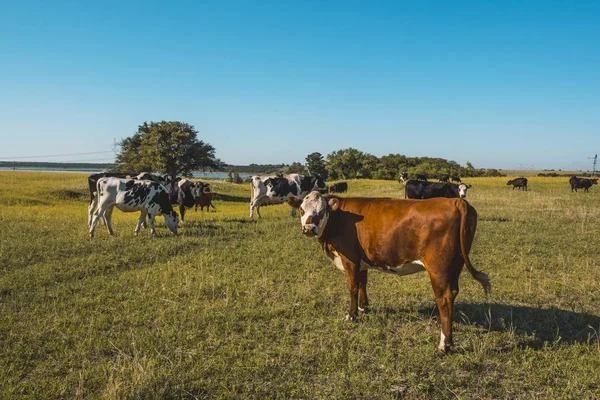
x=251 y=210
x=91 y=209
x=141 y=221
x=97 y=215
x=108 y=220
x=151 y=224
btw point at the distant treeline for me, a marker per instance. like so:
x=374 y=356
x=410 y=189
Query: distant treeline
x=252 y=168
x=55 y=165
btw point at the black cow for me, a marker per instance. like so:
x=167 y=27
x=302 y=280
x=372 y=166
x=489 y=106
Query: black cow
x=520 y=183
x=581 y=183
x=339 y=187
x=455 y=179
x=444 y=178
x=185 y=197
x=426 y=190
x=421 y=177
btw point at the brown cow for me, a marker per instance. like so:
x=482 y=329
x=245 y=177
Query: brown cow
x=397 y=236
x=203 y=197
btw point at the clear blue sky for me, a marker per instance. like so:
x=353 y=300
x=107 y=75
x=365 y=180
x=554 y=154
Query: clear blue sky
x=503 y=84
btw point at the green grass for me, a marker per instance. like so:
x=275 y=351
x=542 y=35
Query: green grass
x=234 y=308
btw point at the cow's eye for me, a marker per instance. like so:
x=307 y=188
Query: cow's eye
x=301 y=211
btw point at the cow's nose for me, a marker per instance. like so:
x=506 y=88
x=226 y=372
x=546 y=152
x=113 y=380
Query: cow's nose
x=308 y=229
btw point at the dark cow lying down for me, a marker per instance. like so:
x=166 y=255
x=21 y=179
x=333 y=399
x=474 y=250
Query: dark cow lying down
x=151 y=198
x=396 y=236
x=427 y=190
x=340 y=187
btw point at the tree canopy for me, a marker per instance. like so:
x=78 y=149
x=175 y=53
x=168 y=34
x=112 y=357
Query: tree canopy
x=316 y=164
x=169 y=147
x=351 y=163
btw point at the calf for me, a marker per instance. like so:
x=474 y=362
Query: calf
x=520 y=183
x=202 y=197
x=444 y=178
x=128 y=195
x=426 y=190
x=582 y=183
x=396 y=236
x=340 y=187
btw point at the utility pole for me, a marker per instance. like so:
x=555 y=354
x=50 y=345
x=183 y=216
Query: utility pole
x=595 y=161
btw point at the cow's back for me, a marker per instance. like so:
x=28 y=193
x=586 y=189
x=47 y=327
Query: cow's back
x=380 y=226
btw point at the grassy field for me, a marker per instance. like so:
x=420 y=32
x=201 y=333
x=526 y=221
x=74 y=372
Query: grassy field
x=234 y=308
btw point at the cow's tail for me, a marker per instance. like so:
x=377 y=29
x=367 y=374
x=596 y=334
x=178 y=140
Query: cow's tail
x=211 y=204
x=479 y=276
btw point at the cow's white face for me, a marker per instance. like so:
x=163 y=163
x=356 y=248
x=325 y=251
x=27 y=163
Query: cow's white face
x=462 y=190
x=313 y=214
x=172 y=221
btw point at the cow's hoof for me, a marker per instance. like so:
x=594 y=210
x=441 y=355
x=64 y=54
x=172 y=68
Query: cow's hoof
x=438 y=355
x=365 y=309
x=349 y=318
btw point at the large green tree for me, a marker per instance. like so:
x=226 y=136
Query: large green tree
x=168 y=147
x=344 y=164
x=316 y=164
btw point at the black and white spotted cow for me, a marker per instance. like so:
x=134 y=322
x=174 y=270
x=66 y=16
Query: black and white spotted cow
x=92 y=182
x=276 y=190
x=129 y=195
x=427 y=190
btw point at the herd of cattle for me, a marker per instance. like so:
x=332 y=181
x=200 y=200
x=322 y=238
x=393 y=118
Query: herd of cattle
x=398 y=236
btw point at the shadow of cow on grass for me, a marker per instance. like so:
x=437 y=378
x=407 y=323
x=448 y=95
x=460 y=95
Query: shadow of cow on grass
x=537 y=327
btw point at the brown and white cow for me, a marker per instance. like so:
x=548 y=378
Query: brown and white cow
x=396 y=236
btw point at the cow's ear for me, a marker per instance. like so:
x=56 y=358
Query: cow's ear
x=294 y=202
x=469 y=186
x=334 y=204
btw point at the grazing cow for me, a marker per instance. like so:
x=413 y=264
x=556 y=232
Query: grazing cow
x=581 y=183
x=455 y=179
x=421 y=177
x=202 y=197
x=396 y=236
x=520 y=183
x=444 y=178
x=340 y=187
x=426 y=190
x=403 y=177
x=129 y=195
x=92 y=182
x=275 y=190
x=147 y=176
